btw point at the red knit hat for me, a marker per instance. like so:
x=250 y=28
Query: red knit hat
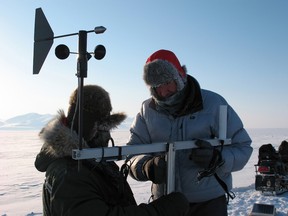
x=170 y=57
x=163 y=67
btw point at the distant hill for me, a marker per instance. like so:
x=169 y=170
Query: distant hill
x=35 y=121
x=29 y=121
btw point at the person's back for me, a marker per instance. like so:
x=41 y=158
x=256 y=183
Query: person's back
x=93 y=188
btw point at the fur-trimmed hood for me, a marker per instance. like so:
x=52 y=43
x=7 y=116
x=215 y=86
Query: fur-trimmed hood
x=59 y=140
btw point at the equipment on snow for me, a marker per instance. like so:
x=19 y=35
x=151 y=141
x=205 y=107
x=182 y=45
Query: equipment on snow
x=272 y=169
x=263 y=210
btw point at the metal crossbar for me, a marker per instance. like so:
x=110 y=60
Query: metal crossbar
x=121 y=152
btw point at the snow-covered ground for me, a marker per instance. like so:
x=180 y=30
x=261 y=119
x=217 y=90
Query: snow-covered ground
x=21 y=183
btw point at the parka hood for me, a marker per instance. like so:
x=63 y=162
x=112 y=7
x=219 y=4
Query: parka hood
x=59 y=140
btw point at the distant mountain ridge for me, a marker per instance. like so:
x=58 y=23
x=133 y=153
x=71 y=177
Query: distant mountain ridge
x=35 y=121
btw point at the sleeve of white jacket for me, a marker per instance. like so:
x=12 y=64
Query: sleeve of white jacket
x=136 y=170
x=136 y=162
x=238 y=153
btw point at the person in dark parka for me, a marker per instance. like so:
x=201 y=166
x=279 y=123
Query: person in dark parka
x=97 y=188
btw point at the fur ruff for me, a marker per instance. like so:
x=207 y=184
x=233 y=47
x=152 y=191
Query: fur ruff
x=60 y=140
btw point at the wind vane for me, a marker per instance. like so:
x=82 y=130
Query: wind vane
x=44 y=37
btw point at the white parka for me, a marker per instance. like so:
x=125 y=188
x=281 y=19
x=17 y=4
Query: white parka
x=200 y=121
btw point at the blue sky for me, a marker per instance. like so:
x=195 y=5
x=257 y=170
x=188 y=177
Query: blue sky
x=237 y=48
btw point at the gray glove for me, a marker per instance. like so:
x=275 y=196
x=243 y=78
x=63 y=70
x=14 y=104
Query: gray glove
x=206 y=156
x=155 y=169
x=173 y=204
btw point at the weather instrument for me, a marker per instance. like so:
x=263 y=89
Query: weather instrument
x=43 y=41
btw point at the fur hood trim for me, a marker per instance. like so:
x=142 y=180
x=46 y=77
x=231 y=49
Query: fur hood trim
x=59 y=140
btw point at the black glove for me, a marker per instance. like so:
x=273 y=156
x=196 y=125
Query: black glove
x=206 y=156
x=171 y=205
x=155 y=169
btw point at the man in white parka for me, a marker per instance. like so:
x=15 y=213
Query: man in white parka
x=179 y=110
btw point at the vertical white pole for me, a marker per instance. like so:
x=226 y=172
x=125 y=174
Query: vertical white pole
x=170 y=157
x=223 y=122
x=170 y=168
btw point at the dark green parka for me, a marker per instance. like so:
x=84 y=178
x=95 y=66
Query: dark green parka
x=96 y=189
